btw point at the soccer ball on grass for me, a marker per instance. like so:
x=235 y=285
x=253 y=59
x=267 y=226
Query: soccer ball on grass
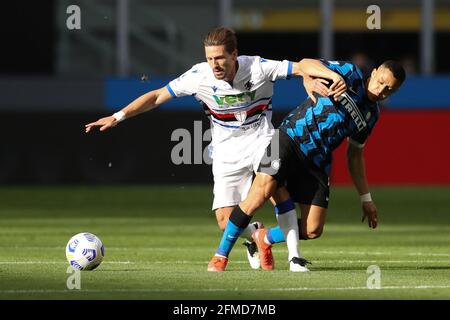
x=85 y=251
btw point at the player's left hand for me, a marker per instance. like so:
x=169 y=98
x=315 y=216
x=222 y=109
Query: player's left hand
x=370 y=211
x=315 y=85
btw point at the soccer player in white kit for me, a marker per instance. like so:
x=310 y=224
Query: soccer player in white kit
x=236 y=93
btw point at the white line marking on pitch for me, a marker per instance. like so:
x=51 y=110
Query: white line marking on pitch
x=364 y=253
x=384 y=253
x=318 y=261
x=223 y=289
x=429 y=254
x=233 y=261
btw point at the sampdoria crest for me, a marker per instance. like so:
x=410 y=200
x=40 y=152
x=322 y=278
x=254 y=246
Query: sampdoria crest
x=248 y=85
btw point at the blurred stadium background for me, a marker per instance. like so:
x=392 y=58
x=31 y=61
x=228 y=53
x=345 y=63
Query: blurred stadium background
x=56 y=181
x=53 y=80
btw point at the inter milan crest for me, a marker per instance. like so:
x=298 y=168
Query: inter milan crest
x=248 y=85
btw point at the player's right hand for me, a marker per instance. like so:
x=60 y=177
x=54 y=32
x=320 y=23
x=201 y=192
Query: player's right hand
x=104 y=124
x=316 y=85
x=338 y=86
x=370 y=212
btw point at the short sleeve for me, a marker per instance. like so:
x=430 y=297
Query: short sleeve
x=359 y=139
x=274 y=70
x=187 y=84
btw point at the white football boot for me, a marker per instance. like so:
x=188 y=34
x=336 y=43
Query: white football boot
x=252 y=254
x=298 y=265
x=252 y=249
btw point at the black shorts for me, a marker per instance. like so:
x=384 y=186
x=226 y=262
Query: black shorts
x=304 y=181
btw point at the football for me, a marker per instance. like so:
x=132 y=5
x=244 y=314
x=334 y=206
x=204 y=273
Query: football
x=85 y=251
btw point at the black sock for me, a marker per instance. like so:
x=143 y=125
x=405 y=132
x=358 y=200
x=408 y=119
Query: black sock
x=239 y=218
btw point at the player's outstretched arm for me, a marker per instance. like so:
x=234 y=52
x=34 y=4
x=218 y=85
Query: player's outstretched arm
x=142 y=104
x=315 y=68
x=356 y=167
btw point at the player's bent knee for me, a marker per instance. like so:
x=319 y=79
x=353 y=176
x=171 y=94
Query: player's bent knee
x=222 y=222
x=222 y=218
x=314 y=234
x=222 y=225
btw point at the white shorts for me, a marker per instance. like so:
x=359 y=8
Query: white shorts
x=232 y=181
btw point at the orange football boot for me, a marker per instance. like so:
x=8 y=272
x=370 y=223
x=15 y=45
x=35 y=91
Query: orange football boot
x=217 y=264
x=265 y=250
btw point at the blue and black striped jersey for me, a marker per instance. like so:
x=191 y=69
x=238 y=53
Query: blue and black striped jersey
x=318 y=129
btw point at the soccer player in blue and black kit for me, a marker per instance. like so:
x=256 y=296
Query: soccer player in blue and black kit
x=300 y=170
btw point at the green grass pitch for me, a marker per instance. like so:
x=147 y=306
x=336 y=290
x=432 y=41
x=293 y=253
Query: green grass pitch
x=159 y=239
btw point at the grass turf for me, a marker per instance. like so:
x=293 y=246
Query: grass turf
x=159 y=239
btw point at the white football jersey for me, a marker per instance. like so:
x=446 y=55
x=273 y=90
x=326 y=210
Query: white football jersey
x=241 y=112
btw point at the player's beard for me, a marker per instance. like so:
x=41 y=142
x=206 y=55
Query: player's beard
x=219 y=73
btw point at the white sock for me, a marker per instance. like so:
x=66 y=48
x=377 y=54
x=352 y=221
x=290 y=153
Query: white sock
x=288 y=224
x=248 y=231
